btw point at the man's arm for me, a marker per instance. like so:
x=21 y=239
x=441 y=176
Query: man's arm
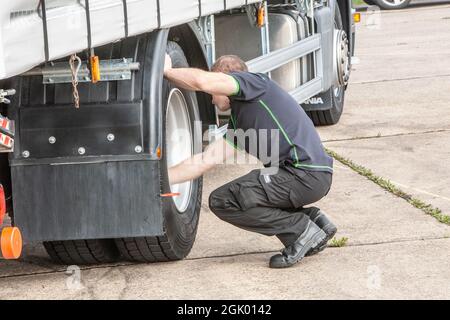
x=194 y=167
x=214 y=83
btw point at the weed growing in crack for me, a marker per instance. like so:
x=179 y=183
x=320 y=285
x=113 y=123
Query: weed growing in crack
x=392 y=188
x=338 y=243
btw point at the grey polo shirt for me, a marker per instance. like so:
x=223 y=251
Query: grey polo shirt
x=269 y=124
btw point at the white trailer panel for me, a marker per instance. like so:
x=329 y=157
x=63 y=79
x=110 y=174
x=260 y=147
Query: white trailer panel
x=22 y=44
x=142 y=16
x=187 y=10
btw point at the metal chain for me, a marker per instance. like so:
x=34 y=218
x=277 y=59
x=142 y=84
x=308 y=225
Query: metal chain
x=75 y=70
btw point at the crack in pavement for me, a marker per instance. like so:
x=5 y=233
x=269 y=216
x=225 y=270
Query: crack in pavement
x=344 y=167
x=402 y=79
x=387 y=135
x=387 y=185
x=104 y=266
x=119 y=265
x=421 y=191
x=397 y=241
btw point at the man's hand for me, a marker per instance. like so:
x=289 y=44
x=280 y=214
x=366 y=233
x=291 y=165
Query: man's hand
x=192 y=168
x=167 y=63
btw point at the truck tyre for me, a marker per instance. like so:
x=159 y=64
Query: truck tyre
x=370 y=2
x=82 y=252
x=335 y=94
x=181 y=213
x=392 y=4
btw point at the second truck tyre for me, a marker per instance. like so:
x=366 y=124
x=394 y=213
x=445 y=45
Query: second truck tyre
x=335 y=94
x=180 y=220
x=391 y=5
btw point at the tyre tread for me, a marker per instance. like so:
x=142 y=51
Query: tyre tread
x=146 y=249
x=81 y=251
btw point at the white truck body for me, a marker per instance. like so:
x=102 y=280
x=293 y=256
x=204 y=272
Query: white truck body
x=22 y=40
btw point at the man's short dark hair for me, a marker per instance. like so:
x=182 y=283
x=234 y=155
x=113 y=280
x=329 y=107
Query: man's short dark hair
x=229 y=63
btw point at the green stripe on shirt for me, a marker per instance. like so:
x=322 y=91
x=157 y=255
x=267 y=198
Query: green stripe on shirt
x=238 y=86
x=281 y=128
x=297 y=163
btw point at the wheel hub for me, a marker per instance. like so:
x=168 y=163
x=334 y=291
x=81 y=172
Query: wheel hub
x=341 y=61
x=179 y=143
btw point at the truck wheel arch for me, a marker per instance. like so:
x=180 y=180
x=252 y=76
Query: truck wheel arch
x=345 y=6
x=189 y=39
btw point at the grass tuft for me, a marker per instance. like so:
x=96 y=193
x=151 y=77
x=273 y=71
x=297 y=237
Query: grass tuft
x=338 y=243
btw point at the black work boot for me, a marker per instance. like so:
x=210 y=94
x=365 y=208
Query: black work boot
x=312 y=237
x=318 y=217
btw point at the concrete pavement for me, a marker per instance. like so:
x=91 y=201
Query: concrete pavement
x=407 y=270
x=394 y=250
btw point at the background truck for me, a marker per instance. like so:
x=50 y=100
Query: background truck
x=90 y=182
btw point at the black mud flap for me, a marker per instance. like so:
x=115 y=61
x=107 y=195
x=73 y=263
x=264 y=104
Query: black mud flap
x=322 y=101
x=111 y=190
x=88 y=201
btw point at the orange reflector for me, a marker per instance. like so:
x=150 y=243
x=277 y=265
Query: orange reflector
x=357 y=17
x=2 y=204
x=11 y=243
x=168 y=195
x=95 y=69
x=260 y=18
x=158 y=152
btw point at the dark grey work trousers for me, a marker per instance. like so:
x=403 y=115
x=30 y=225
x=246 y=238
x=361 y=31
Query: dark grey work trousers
x=271 y=204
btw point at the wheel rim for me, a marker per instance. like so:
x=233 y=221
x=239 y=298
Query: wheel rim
x=393 y=3
x=179 y=144
x=341 y=63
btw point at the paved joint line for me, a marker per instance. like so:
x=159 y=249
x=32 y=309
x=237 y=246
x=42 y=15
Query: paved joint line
x=330 y=247
x=388 y=135
x=421 y=191
x=393 y=189
x=43 y=273
x=402 y=79
x=396 y=241
x=39 y=273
